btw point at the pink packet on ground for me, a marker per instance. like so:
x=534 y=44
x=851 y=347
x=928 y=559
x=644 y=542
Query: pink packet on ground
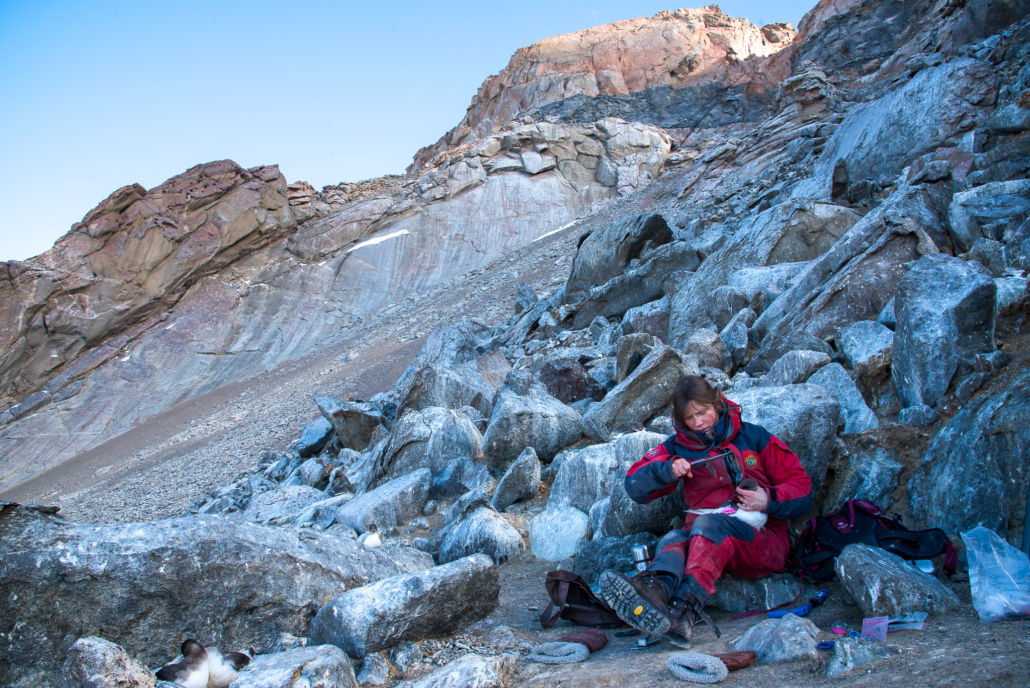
x=875 y=628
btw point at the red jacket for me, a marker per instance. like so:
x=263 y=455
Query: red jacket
x=759 y=454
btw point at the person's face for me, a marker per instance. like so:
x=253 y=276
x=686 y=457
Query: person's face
x=700 y=418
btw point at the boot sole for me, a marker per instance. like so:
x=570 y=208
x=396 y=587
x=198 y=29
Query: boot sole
x=678 y=639
x=622 y=597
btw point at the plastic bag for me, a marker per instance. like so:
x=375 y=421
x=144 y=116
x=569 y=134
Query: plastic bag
x=999 y=576
x=875 y=628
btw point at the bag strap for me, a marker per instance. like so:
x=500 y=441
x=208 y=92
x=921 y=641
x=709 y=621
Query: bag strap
x=547 y=619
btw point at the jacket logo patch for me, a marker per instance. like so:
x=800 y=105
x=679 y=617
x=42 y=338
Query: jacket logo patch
x=750 y=459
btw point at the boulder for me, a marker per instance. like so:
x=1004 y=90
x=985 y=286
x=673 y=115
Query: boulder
x=633 y=348
x=459 y=477
x=314 y=473
x=651 y=318
x=849 y=653
x=638 y=285
x=785 y=639
x=568 y=381
x=871 y=475
x=863 y=342
x=536 y=420
x=646 y=391
x=394 y=504
x=242 y=583
x=427 y=385
x=854 y=413
x=97 y=663
x=421 y=605
x=804 y=417
x=992 y=432
x=794 y=367
x=433 y=438
x=559 y=532
x=606 y=251
x=945 y=316
x=774 y=349
x=353 y=421
x=406 y=655
x=313 y=666
x=314 y=437
x=586 y=476
x=709 y=350
x=520 y=482
x=483 y=532
x=724 y=303
x=605 y=553
x=884 y=584
x=469 y=502
x=735 y=335
x=626 y=517
x=284 y=501
x=375 y=670
x=470 y=671
x=738 y=595
x=321 y=513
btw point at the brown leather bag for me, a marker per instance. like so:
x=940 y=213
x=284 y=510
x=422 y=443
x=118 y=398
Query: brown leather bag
x=574 y=601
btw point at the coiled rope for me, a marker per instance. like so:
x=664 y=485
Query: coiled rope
x=696 y=667
x=559 y=653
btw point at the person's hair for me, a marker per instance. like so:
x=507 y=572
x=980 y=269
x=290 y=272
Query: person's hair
x=694 y=388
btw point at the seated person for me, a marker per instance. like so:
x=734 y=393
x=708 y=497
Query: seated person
x=727 y=527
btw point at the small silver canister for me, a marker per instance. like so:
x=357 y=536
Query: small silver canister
x=641 y=557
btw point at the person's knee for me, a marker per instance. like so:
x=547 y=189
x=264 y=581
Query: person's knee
x=673 y=537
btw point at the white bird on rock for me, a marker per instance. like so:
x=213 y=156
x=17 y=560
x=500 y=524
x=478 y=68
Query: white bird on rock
x=224 y=668
x=370 y=538
x=192 y=671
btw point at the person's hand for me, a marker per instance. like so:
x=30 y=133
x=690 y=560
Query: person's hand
x=752 y=500
x=681 y=469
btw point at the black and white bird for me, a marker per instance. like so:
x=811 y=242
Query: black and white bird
x=190 y=672
x=370 y=538
x=223 y=668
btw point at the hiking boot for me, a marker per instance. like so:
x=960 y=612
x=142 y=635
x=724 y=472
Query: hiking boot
x=684 y=614
x=641 y=601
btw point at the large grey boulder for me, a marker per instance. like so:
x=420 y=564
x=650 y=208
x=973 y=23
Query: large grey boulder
x=97 y=663
x=536 y=420
x=354 y=421
x=470 y=671
x=520 y=482
x=586 y=476
x=864 y=341
x=646 y=391
x=559 y=532
x=314 y=437
x=421 y=605
x=794 y=367
x=710 y=350
x=945 y=312
x=281 y=502
x=483 y=532
x=850 y=653
x=855 y=414
x=735 y=335
x=976 y=469
x=637 y=285
x=606 y=553
x=242 y=583
x=456 y=343
x=433 y=438
x=568 y=381
x=871 y=475
x=633 y=348
x=884 y=584
x=855 y=278
x=774 y=349
x=452 y=386
x=314 y=666
x=606 y=251
x=651 y=318
x=624 y=516
x=738 y=595
x=793 y=232
x=785 y=639
x=804 y=417
x=375 y=670
x=393 y=504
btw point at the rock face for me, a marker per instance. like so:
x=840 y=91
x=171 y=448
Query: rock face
x=884 y=584
x=606 y=252
x=992 y=428
x=318 y=666
x=412 y=607
x=945 y=312
x=696 y=52
x=246 y=584
x=97 y=663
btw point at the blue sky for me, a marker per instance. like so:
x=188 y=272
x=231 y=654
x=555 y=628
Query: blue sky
x=94 y=96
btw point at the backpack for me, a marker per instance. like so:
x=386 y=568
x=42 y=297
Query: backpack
x=574 y=601
x=859 y=521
